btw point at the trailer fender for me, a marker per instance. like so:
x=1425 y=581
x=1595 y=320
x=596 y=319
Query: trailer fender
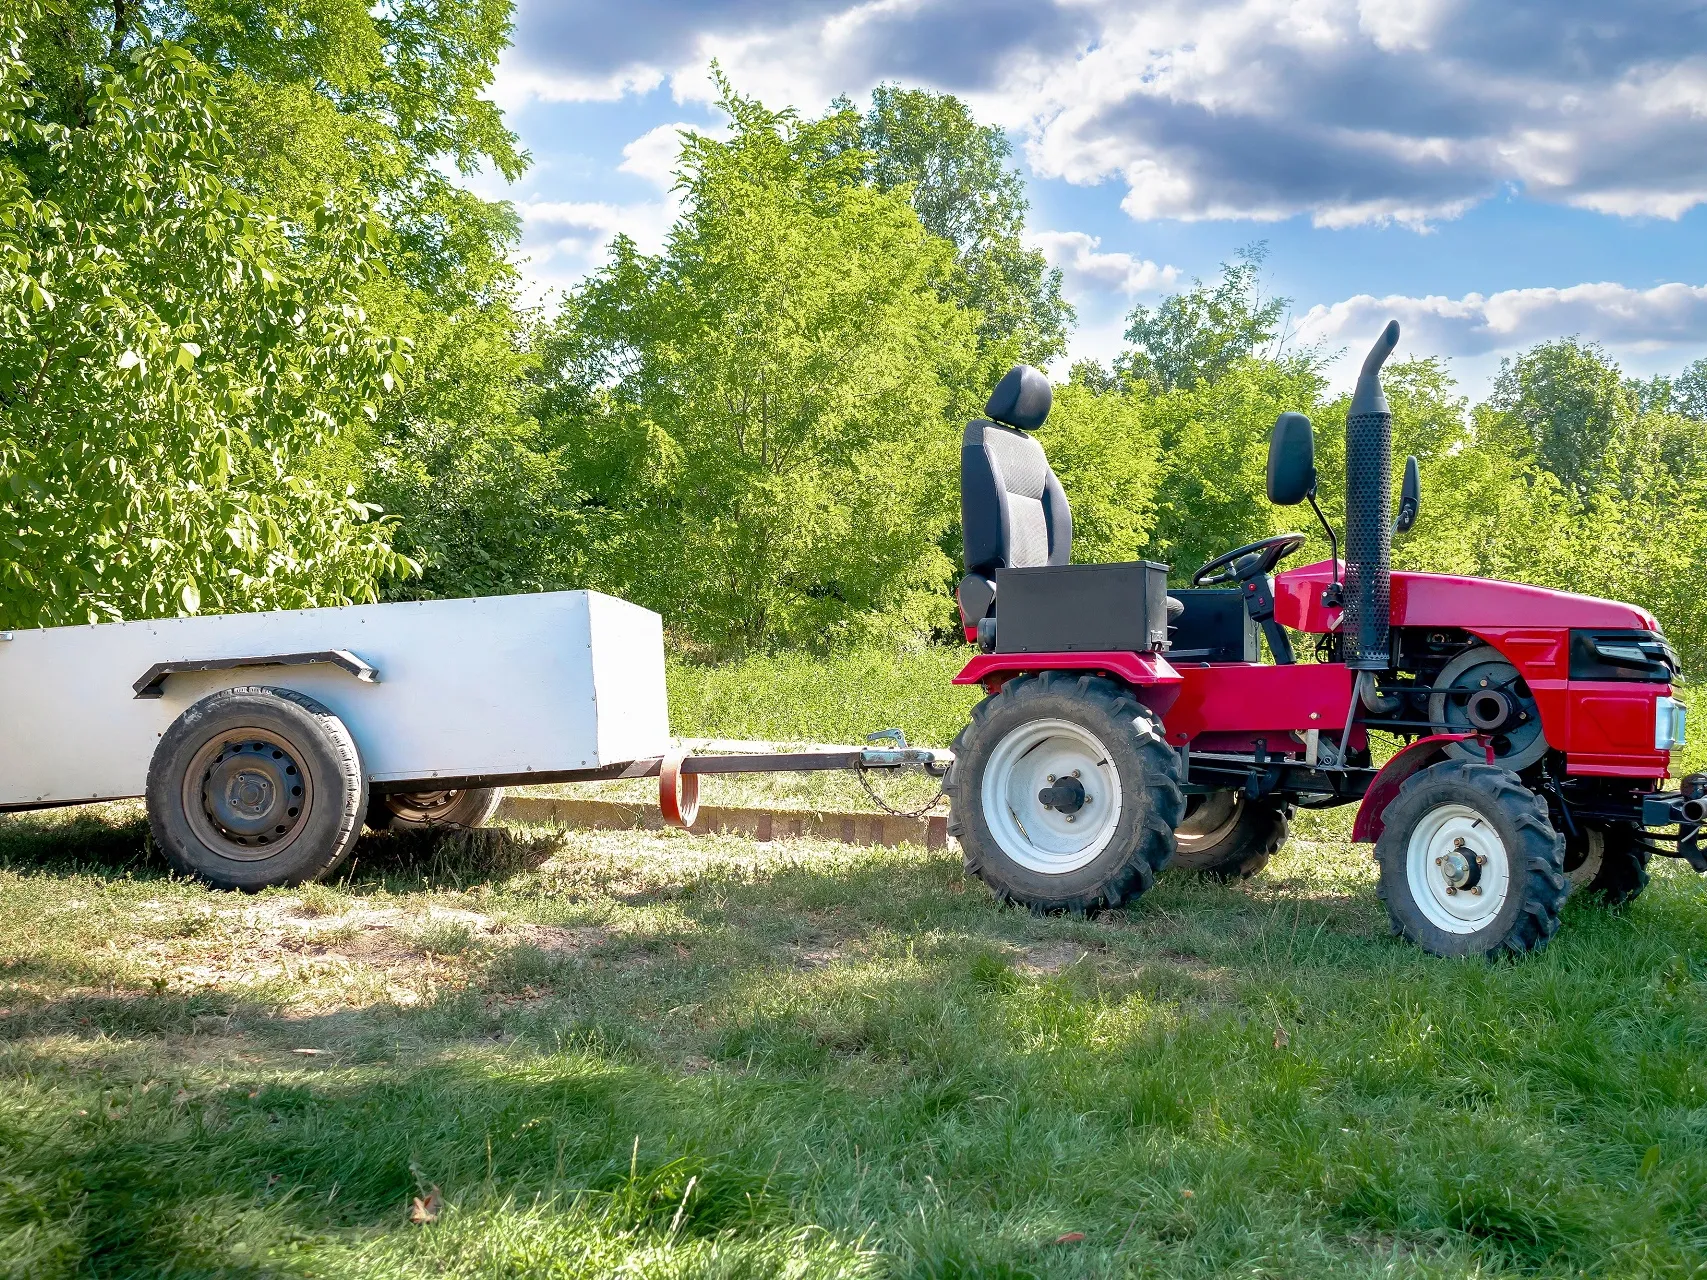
x=1414 y=758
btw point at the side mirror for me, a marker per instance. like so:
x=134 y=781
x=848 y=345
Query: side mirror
x=1410 y=497
x=1291 y=460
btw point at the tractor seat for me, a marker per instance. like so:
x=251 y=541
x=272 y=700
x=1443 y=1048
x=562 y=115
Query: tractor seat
x=1013 y=511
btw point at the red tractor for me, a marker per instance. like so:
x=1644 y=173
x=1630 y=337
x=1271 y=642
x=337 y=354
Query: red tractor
x=1129 y=728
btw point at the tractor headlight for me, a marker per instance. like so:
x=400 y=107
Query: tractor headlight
x=1670 y=718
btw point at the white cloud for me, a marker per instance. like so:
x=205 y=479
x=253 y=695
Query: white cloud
x=653 y=155
x=1667 y=316
x=564 y=239
x=1085 y=269
x=1348 y=111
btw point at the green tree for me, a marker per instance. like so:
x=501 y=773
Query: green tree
x=760 y=416
x=1104 y=450
x=960 y=179
x=171 y=351
x=1565 y=405
x=1198 y=335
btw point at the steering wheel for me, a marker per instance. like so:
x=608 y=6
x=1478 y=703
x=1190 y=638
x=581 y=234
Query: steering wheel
x=1226 y=568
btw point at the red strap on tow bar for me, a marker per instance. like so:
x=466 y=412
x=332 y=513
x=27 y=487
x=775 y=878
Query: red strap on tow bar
x=678 y=792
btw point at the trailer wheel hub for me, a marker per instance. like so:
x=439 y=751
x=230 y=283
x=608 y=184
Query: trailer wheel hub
x=253 y=792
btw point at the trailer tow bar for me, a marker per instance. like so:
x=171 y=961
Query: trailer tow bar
x=679 y=772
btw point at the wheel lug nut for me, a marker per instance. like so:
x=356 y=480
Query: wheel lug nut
x=1450 y=891
x=1069 y=817
x=1051 y=777
x=1440 y=861
x=1458 y=842
x=1481 y=861
x=1476 y=889
x=1075 y=773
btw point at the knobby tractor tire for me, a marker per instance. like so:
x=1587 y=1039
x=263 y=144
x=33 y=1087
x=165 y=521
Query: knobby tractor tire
x=1457 y=809
x=1229 y=836
x=415 y=810
x=255 y=786
x=1608 y=864
x=1125 y=755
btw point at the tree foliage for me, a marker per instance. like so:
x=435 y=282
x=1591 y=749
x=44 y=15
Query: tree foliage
x=170 y=350
x=759 y=415
x=1197 y=336
x=959 y=177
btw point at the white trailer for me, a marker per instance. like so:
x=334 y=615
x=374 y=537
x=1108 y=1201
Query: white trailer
x=263 y=741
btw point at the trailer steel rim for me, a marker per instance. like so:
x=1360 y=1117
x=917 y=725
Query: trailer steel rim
x=246 y=794
x=1051 y=796
x=421 y=806
x=1458 y=869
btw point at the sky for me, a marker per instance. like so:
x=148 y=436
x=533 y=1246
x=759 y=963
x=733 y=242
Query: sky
x=1492 y=173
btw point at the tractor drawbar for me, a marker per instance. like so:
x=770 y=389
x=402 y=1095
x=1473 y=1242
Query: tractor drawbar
x=1369 y=513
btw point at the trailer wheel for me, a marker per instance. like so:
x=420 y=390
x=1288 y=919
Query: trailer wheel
x=1063 y=795
x=253 y=787
x=413 y=810
x=1609 y=863
x=1228 y=835
x=1470 y=863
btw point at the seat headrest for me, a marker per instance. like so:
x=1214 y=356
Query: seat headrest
x=1021 y=399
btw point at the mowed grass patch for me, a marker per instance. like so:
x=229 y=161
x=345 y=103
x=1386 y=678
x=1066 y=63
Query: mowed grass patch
x=660 y=1055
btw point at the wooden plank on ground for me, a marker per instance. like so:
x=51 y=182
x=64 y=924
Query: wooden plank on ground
x=761 y=824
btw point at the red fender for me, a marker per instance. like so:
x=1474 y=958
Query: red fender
x=1419 y=755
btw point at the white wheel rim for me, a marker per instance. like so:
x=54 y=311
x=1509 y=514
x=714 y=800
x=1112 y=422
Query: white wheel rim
x=1453 y=852
x=1027 y=761
x=1594 y=854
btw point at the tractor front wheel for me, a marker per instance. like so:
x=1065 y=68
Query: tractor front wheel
x=1227 y=835
x=1470 y=862
x=1063 y=794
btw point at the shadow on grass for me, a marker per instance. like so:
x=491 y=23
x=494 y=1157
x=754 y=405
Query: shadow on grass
x=111 y=842
x=846 y=1107
x=870 y=1041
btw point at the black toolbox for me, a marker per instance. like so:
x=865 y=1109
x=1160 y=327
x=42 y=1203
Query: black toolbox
x=1082 y=608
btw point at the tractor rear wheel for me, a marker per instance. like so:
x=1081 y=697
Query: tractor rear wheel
x=1470 y=863
x=1609 y=863
x=1228 y=835
x=1063 y=794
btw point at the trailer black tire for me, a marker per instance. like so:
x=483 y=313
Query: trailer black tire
x=1229 y=836
x=1123 y=754
x=253 y=787
x=1607 y=863
x=417 y=810
x=1441 y=819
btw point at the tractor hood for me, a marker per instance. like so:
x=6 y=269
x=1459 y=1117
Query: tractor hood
x=1443 y=600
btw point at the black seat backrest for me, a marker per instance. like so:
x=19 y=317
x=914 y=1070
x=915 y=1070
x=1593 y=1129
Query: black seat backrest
x=1013 y=511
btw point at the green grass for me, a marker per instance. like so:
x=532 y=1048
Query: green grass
x=839 y=698
x=654 y=1055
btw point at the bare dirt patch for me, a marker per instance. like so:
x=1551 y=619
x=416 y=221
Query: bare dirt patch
x=1046 y=959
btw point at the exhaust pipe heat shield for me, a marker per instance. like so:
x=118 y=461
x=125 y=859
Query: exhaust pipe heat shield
x=1369 y=513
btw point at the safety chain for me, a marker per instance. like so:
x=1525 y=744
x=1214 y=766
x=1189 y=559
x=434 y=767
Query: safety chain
x=862 y=769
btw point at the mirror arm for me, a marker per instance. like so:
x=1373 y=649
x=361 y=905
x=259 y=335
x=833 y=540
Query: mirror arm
x=1333 y=542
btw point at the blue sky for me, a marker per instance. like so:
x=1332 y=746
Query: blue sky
x=1491 y=172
